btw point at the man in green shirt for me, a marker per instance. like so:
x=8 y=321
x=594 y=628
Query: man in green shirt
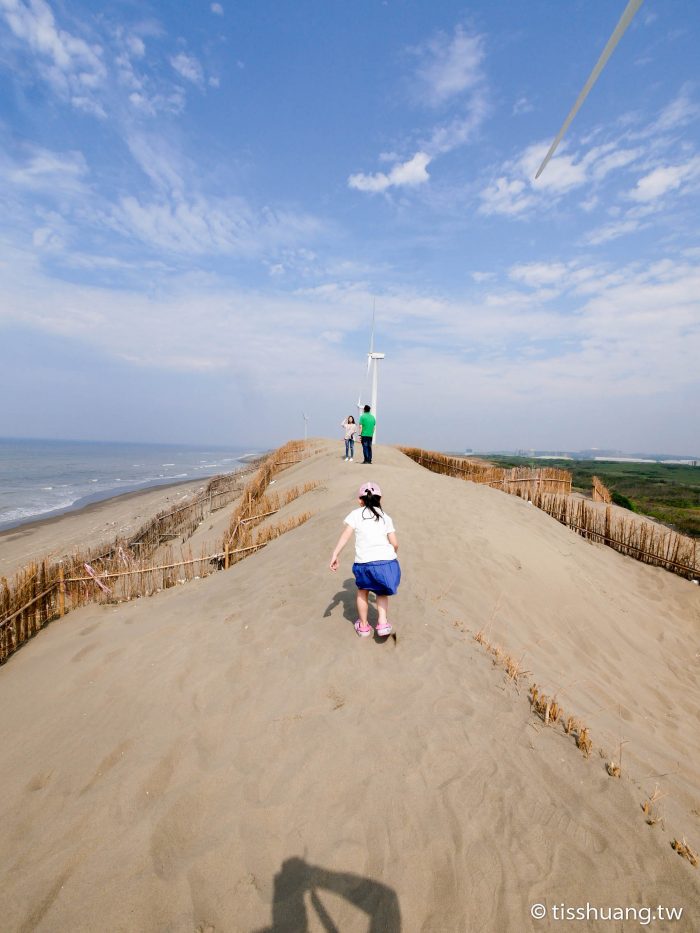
x=367 y=425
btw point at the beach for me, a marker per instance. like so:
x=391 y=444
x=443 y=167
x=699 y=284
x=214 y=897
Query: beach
x=228 y=756
x=94 y=525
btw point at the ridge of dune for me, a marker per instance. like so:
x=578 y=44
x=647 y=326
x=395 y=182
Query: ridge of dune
x=228 y=756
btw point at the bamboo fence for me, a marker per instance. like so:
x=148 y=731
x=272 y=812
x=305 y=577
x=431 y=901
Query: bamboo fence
x=633 y=536
x=45 y=590
x=600 y=492
x=520 y=481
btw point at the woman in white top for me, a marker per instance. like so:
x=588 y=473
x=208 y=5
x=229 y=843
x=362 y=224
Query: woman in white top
x=376 y=567
x=350 y=429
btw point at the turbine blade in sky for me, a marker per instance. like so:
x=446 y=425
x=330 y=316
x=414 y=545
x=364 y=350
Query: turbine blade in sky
x=625 y=20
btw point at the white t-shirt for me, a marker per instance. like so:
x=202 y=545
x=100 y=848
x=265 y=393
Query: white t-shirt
x=371 y=542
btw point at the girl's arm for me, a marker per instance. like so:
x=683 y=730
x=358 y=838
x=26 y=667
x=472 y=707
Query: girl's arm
x=393 y=541
x=342 y=541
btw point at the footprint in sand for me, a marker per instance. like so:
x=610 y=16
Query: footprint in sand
x=39 y=781
x=83 y=651
x=337 y=698
x=107 y=763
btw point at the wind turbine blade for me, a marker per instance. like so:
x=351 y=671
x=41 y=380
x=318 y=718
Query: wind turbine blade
x=371 y=342
x=624 y=22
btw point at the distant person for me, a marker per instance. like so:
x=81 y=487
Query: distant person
x=376 y=566
x=367 y=425
x=350 y=431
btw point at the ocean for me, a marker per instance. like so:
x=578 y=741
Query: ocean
x=39 y=478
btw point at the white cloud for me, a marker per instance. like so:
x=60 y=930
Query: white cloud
x=136 y=46
x=217 y=8
x=665 y=178
x=506 y=197
x=681 y=111
x=410 y=173
x=516 y=190
x=449 y=72
x=449 y=66
x=49 y=171
x=188 y=67
x=67 y=62
x=522 y=105
x=536 y=274
x=612 y=231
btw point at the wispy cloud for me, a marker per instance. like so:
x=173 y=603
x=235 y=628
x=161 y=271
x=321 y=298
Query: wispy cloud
x=48 y=171
x=72 y=66
x=448 y=66
x=449 y=74
x=188 y=67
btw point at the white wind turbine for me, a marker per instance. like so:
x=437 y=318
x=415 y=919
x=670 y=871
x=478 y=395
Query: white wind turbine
x=306 y=425
x=373 y=366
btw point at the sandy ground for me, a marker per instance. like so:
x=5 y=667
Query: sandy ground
x=229 y=756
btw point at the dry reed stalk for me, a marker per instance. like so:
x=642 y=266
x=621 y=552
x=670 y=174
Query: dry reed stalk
x=274 y=531
x=583 y=741
x=514 y=668
x=649 y=808
x=547 y=708
x=600 y=492
x=683 y=848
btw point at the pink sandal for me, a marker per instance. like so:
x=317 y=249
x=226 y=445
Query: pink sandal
x=363 y=633
x=384 y=629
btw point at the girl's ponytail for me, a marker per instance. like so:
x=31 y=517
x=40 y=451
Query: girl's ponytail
x=372 y=502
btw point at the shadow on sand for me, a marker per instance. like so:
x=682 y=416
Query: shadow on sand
x=297 y=878
x=347 y=599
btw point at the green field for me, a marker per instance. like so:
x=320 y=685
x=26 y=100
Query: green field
x=667 y=492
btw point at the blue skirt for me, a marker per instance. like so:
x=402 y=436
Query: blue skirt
x=378 y=576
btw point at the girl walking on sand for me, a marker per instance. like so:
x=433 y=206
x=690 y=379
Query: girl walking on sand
x=350 y=429
x=376 y=567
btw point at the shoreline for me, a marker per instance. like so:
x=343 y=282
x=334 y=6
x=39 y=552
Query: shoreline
x=91 y=524
x=85 y=503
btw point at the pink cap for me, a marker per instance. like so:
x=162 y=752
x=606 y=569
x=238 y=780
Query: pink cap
x=370 y=488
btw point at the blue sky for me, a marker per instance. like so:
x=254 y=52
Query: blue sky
x=200 y=202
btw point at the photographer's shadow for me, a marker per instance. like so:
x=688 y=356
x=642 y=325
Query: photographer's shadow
x=296 y=878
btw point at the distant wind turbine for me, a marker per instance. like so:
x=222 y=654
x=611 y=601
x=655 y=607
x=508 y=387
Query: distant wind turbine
x=306 y=425
x=618 y=32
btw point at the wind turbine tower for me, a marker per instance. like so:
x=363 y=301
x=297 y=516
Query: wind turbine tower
x=373 y=363
x=306 y=426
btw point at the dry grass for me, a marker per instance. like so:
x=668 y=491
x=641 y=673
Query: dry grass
x=599 y=491
x=274 y=531
x=583 y=741
x=682 y=848
x=547 y=708
x=650 y=808
x=513 y=669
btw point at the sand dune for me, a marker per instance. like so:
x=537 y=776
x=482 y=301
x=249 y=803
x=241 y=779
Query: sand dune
x=229 y=756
